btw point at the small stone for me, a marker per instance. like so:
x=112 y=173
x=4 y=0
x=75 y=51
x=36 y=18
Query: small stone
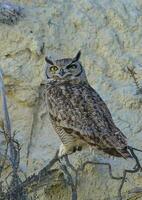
x=10 y=13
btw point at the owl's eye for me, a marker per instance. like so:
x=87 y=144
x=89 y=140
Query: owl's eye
x=72 y=67
x=53 y=68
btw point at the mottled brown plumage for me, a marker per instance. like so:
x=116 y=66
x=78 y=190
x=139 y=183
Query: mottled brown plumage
x=78 y=114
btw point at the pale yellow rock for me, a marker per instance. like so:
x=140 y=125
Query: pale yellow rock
x=109 y=34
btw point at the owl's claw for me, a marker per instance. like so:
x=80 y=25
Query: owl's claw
x=74 y=149
x=79 y=148
x=65 y=150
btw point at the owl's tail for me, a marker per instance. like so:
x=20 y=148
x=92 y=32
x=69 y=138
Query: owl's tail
x=118 y=153
x=127 y=152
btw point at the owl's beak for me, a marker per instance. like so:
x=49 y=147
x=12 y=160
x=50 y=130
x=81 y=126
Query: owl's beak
x=62 y=72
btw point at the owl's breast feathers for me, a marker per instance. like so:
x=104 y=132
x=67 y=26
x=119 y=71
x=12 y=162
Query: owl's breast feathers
x=79 y=108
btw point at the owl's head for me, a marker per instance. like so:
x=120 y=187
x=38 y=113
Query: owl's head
x=65 y=69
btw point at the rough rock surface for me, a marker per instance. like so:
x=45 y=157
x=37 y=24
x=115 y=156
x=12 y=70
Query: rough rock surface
x=109 y=33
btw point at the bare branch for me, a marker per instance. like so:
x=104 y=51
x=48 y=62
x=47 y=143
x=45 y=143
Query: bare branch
x=7 y=124
x=134 y=170
x=4 y=160
x=70 y=180
x=97 y=163
x=13 y=146
x=133 y=75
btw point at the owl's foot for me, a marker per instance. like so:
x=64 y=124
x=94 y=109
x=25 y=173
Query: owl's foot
x=64 y=150
x=78 y=148
x=67 y=150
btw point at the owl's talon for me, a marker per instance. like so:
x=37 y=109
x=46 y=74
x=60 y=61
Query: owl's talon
x=65 y=150
x=62 y=151
x=79 y=148
x=74 y=150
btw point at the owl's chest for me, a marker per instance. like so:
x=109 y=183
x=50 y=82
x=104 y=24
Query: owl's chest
x=66 y=98
x=70 y=105
x=61 y=95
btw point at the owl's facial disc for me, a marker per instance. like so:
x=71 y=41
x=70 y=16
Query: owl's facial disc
x=65 y=69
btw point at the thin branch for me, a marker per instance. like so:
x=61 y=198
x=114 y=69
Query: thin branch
x=32 y=131
x=133 y=75
x=69 y=164
x=14 y=148
x=42 y=173
x=74 y=170
x=96 y=163
x=135 y=169
x=4 y=160
x=6 y=120
x=70 y=181
x=136 y=149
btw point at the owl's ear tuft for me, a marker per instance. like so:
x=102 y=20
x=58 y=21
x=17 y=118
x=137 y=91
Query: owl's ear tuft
x=49 y=61
x=77 y=57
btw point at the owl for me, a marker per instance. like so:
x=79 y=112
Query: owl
x=78 y=114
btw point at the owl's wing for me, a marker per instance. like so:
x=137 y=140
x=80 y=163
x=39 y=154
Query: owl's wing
x=80 y=109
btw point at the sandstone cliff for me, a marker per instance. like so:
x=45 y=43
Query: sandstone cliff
x=109 y=33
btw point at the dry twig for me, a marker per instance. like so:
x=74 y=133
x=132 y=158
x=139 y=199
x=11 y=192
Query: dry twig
x=14 y=148
x=134 y=170
x=133 y=75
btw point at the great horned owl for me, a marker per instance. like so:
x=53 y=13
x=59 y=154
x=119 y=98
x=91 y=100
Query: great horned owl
x=79 y=115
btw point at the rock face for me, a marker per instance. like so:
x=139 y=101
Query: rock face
x=109 y=33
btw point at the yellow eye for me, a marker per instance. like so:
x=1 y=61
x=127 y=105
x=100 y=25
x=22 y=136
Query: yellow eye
x=71 y=66
x=53 y=68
